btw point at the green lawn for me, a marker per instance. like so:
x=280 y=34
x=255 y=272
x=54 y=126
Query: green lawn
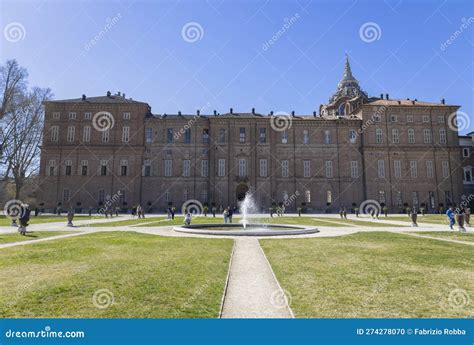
x=148 y=276
x=372 y=275
x=5 y=221
x=452 y=235
x=31 y=235
x=124 y=222
x=429 y=218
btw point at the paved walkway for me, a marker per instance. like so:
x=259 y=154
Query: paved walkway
x=252 y=290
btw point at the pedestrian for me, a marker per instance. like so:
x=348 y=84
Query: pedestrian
x=139 y=211
x=226 y=215
x=134 y=211
x=24 y=219
x=214 y=211
x=231 y=212
x=344 y=212
x=70 y=216
x=187 y=218
x=90 y=211
x=117 y=209
x=450 y=215
x=36 y=211
x=340 y=213
x=173 y=211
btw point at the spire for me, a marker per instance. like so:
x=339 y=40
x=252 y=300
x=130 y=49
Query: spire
x=347 y=76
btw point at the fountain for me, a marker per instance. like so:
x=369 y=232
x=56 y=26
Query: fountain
x=246 y=207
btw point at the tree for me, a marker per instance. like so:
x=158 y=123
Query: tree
x=22 y=125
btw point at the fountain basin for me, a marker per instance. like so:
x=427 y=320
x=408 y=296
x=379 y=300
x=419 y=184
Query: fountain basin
x=251 y=230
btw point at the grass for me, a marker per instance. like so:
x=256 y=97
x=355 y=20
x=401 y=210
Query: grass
x=5 y=221
x=429 y=218
x=30 y=235
x=372 y=275
x=123 y=222
x=148 y=276
x=452 y=235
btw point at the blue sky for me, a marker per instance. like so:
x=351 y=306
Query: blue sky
x=143 y=52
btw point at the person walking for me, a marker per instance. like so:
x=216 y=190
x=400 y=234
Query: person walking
x=24 y=219
x=173 y=211
x=226 y=215
x=139 y=211
x=450 y=215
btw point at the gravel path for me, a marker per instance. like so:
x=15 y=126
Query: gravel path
x=253 y=291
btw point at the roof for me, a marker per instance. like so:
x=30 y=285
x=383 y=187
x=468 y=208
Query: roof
x=112 y=99
x=407 y=102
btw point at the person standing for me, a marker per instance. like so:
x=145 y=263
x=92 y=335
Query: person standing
x=24 y=218
x=231 y=212
x=226 y=215
x=214 y=211
x=450 y=215
x=173 y=211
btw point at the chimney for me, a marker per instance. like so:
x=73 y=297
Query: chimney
x=293 y=113
x=108 y=93
x=413 y=102
x=179 y=113
x=253 y=111
x=231 y=111
x=386 y=96
x=399 y=102
x=215 y=112
x=271 y=113
x=83 y=97
x=443 y=101
x=381 y=96
x=123 y=95
x=119 y=94
x=198 y=112
x=314 y=114
x=416 y=100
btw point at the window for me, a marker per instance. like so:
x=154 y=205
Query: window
x=467 y=174
x=425 y=118
x=204 y=195
x=167 y=196
x=186 y=194
x=284 y=168
x=106 y=136
x=168 y=167
x=187 y=136
x=126 y=116
x=186 y=168
x=441 y=119
x=431 y=198
x=205 y=136
x=429 y=169
x=263 y=168
x=103 y=168
x=169 y=135
x=149 y=135
x=54 y=133
x=123 y=167
x=101 y=197
x=378 y=136
x=56 y=115
x=329 y=197
x=51 y=167
x=395 y=136
x=262 y=135
x=377 y=118
x=447 y=197
x=354 y=169
x=381 y=169
x=327 y=137
x=71 y=130
x=307 y=196
x=445 y=168
x=221 y=136
x=72 y=116
x=328 y=166
x=68 y=165
x=397 y=169
x=413 y=169
x=242 y=167
x=442 y=136
x=84 y=167
x=147 y=168
x=66 y=194
x=393 y=118
x=305 y=137
x=284 y=137
x=87 y=116
x=221 y=167
x=399 y=199
x=242 y=135
x=352 y=136
x=411 y=136
x=382 y=199
x=409 y=118
x=125 y=134
x=414 y=196
x=86 y=134
x=427 y=136
x=307 y=168
x=465 y=152
x=204 y=168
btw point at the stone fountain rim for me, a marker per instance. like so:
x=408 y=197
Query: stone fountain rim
x=198 y=229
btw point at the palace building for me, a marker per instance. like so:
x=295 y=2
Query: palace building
x=355 y=148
